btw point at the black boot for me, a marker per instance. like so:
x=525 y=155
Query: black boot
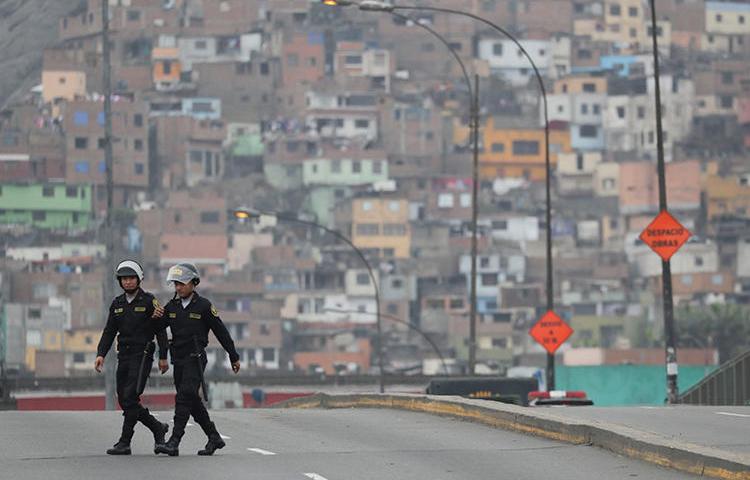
x=120 y=448
x=158 y=429
x=171 y=448
x=215 y=441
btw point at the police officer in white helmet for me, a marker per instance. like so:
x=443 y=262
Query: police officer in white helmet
x=131 y=321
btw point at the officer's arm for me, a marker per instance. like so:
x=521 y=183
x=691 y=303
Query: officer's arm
x=222 y=334
x=108 y=335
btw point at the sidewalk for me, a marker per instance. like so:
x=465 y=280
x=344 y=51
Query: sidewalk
x=689 y=439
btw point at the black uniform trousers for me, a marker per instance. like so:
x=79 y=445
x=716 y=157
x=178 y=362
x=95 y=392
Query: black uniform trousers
x=187 y=381
x=129 y=392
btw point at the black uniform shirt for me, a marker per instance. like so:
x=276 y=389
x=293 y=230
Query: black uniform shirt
x=134 y=324
x=192 y=323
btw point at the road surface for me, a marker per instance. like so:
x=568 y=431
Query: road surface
x=362 y=444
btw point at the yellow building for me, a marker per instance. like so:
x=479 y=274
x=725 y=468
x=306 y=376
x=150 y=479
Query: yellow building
x=382 y=224
x=727 y=196
x=624 y=23
x=519 y=151
x=577 y=84
x=62 y=84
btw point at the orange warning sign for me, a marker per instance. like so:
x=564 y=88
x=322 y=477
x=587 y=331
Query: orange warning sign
x=665 y=235
x=551 y=331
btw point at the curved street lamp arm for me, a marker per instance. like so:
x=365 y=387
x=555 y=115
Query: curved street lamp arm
x=444 y=42
x=413 y=327
x=550 y=293
x=362 y=257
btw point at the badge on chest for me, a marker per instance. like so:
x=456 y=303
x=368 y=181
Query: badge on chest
x=196 y=316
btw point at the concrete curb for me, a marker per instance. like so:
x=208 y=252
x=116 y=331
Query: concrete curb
x=637 y=444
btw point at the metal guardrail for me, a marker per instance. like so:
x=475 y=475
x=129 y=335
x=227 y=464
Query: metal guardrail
x=728 y=385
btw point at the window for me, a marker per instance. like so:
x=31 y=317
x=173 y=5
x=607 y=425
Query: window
x=366 y=206
x=445 y=200
x=264 y=330
x=138 y=120
x=579 y=162
x=727 y=78
x=391 y=309
x=71 y=192
x=589 y=87
x=498 y=147
x=363 y=279
x=718 y=17
x=389 y=252
x=394 y=229
x=641 y=112
x=614 y=10
x=81 y=167
x=292 y=60
x=167 y=66
x=353 y=59
x=200 y=45
x=726 y=101
x=264 y=69
x=497 y=49
x=361 y=123
x=525 y=147
x=101 y=143
x=35 y=313
x=368 y=229
x=269 y=355
x=589 y=131
x=138 y=145
x=633 y=11
x=139 y=168
x=596 y=109
x=356 y=166
x=81 y=118
x=210 y=217
x=134 y=15
x=698 y=261
x=79 y=357
x=484 y=262
x=81 y=143
x=394 y=206
x=397 y=283
x=489 y=279
x=465 y=200
x=336 y=166
x=499 y=343
x=584 y=108
x=620 y=112
x=39 y=216
x=456 y=303
x=48 y=191
x=717 y=279
x=499 y=224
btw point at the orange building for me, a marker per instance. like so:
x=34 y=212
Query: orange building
x=382 y=224
x=727 y=196
x=167 y=68
x=518 y=151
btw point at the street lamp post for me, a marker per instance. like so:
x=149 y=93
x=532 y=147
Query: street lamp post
x=670 y=346
x=379 y=6
x=245 y=213
x=474 y=129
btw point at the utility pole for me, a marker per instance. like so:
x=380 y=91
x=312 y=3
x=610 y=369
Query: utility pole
x=474 y=233
x=666 y=269
x=108 y=290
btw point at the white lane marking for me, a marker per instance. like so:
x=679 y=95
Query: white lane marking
x=225 y=437
x=261 y=451
x=315 y=476
x=190 y=424
x=730 y=414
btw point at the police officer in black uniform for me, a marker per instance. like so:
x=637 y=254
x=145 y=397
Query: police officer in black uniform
x=130 y=315
x=190 y=317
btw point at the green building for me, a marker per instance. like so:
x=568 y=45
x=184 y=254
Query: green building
x=49 y=206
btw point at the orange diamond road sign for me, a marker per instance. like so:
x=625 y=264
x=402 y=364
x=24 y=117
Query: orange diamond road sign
x=665 y=235
x=551 y=331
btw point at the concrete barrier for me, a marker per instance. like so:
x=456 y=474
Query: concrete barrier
x=645 y=446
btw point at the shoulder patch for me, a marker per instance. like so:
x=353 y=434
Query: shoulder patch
x=155 y=302
x=214 y=312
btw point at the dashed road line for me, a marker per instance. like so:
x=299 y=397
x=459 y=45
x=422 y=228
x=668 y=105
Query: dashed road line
x=225 y=437
x=315 y=476
x=261 y=451
x=730 y=414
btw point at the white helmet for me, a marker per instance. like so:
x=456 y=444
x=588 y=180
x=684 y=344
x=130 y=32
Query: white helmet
x=129 y=268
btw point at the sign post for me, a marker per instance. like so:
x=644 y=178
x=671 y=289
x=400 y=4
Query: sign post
x=665 y=235
x=550 y=331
